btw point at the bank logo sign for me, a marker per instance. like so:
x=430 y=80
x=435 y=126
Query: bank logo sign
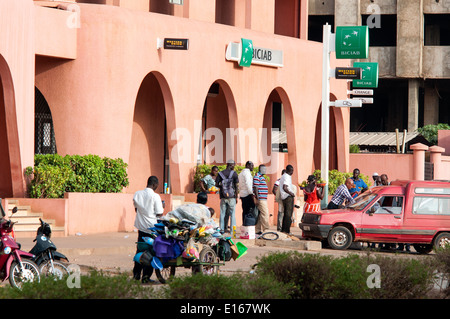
x=369 y=75
x=352 y=42
x=245 y=53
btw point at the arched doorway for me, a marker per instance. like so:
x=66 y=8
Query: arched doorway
x=278 y=146
x=11 y=175
x=336 y=143
x=219 y=138
x=150 y=144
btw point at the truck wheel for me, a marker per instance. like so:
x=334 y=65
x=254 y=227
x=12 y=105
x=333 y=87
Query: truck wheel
x=340 y=237
x=442 y=241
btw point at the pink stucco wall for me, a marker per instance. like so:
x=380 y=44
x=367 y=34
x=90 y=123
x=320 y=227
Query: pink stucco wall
x=396 y=166
x=117 y=50
x=444 y=140
x=109 y=88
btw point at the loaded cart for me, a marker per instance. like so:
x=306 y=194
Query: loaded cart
x=187 y=237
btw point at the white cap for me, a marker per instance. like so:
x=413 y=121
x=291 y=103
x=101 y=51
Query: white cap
x=375 y=174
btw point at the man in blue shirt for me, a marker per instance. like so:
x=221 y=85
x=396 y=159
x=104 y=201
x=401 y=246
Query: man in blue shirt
x=360 y=185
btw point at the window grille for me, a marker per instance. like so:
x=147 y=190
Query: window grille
x=44 y=134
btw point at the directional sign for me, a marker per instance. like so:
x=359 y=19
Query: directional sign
x=348 y=103
x=348 y=73
x=369 y=75
x=352 y=42
x=360 y=92
x=364 y=100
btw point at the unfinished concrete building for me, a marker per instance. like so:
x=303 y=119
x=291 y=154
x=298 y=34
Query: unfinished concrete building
x=410 y=40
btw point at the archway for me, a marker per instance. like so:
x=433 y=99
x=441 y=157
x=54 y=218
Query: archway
x=278 y=145
x=150 y=146
x=336 y=143
x=219 y=140
x=11 y=175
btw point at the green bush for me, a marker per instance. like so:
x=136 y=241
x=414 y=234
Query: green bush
x=354 y=148
x=95 y=285
x=53 y=175
x=430 y=131
x=442 y=257
x=237 y=286
x=205 y=169
x=317 y=276
x=337 y=178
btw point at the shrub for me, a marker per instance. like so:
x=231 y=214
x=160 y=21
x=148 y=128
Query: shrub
x=53 y=175
x=337 y=178
x=430 y=131
x=354 y=148
x=443 y=267
x=95 y=285
x=317 y=276
x=236 y=286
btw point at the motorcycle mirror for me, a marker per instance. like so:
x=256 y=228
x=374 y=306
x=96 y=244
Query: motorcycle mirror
x=14 y=210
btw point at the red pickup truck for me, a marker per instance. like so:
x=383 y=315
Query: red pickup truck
x=415 y=212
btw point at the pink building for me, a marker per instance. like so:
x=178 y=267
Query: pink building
x=109 y=87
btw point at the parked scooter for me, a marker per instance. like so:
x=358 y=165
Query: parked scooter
x=15 y=264
x=46 y=256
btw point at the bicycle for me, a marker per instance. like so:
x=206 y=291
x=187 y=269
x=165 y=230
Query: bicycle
x=270 y=235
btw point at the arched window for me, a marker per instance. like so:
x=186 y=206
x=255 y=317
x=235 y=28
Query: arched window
x=44 y=135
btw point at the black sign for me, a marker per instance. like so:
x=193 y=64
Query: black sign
x=348 y=73
x=176 y=44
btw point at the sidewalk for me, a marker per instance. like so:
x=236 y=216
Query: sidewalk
x=115 y=251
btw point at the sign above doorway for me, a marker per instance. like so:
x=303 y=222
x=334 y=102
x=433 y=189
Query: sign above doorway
x=246 y=54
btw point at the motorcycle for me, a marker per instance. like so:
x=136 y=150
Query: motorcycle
x=46 y=256
x=15 y=264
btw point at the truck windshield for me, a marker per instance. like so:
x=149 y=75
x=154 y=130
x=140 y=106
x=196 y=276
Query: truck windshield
x=362 y=201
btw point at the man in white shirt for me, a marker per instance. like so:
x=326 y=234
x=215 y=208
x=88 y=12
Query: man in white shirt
x=246 y=194
x=287 y=196
x=149 y=207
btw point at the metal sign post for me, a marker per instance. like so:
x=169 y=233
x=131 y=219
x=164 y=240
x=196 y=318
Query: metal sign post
x=325 y=135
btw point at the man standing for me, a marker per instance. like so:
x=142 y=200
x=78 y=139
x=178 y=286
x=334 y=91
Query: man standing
x=276 y=192
x=360 y=186
x=287 y=196
x=261 y=191
x=246 y=194
x=342 y=194
x=148 y=207
x=227 y=182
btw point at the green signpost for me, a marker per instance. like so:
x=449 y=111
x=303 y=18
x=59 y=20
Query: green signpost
x=369 y=75
x=352 y=42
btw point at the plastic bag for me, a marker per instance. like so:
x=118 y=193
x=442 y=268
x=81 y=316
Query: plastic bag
x=197 y=213
x=191 y=252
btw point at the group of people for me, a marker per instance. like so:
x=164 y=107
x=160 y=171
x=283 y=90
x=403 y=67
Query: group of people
x=253 y=192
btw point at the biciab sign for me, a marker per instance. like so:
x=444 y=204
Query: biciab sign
x=246 y=54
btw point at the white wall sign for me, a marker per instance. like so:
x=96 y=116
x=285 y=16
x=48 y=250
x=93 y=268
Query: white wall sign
x=261 y=56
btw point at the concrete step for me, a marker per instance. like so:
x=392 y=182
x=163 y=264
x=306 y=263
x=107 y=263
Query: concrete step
x=28 y=221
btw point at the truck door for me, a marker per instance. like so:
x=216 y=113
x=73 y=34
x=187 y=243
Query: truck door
x=383 y=220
